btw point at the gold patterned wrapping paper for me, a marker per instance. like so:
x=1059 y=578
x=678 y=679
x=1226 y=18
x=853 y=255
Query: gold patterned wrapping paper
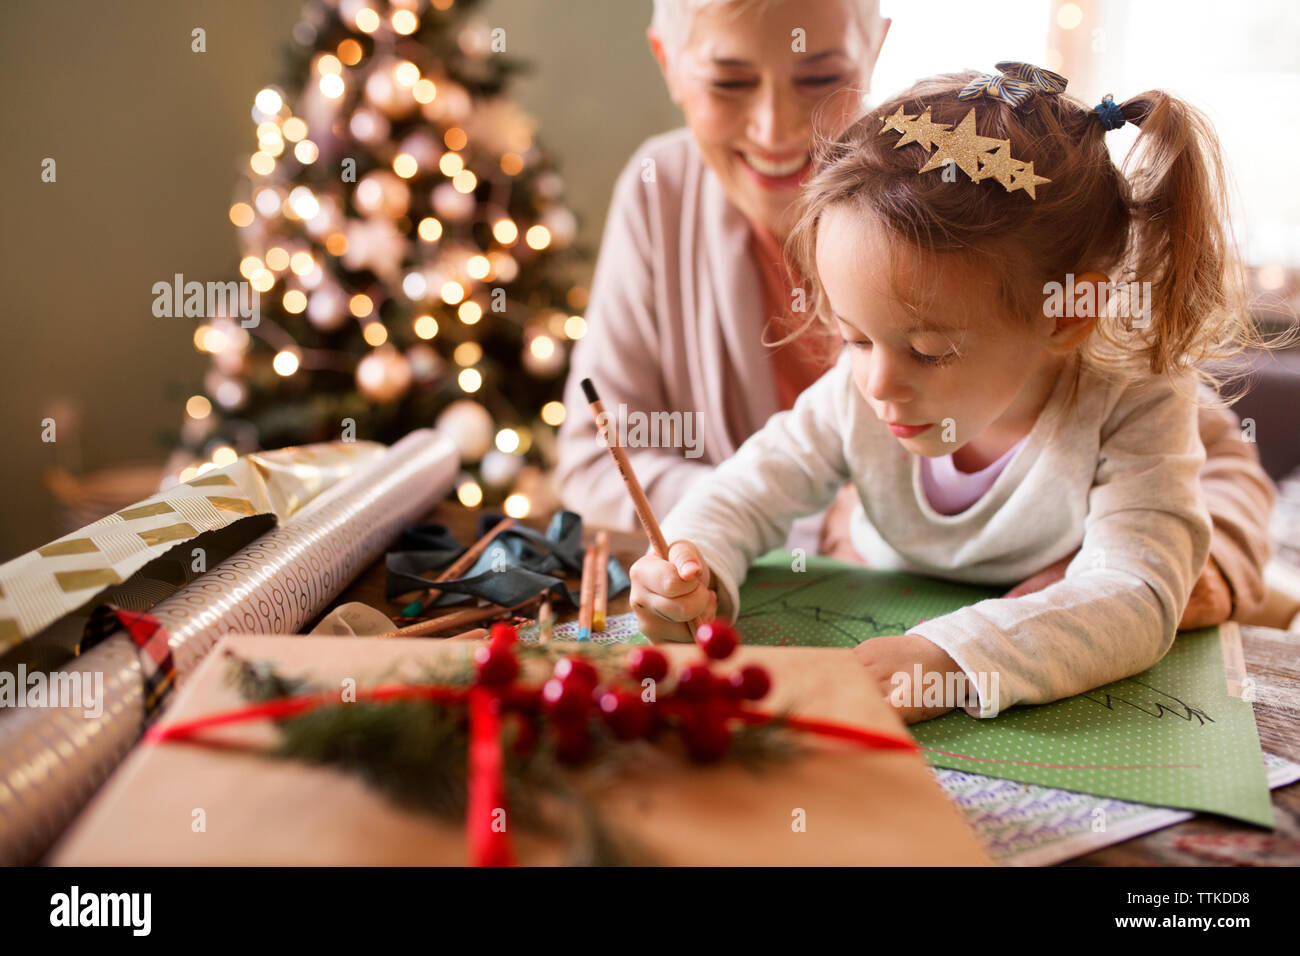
x=53 y=759
x=42 y=586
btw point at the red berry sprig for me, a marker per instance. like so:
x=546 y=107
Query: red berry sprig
x=717 y=639
x=702 y=702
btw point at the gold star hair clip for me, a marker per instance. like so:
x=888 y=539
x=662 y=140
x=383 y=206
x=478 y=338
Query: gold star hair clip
x=979 y=157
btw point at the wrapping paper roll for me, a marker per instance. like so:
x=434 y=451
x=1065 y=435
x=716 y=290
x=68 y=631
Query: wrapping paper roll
x=42 y=586
x=53 y=759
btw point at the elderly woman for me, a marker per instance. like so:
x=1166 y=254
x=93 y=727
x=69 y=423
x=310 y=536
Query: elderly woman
x=691 y=289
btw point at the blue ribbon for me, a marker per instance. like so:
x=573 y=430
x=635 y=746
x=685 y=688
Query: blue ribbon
x=1014 y=83
x=519 y=564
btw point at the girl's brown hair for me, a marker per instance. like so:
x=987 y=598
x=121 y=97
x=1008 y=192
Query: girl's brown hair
x=1163 y=220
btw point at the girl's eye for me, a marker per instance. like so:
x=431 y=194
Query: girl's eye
x=936 y=360
x=732 y=84
x=859 y=344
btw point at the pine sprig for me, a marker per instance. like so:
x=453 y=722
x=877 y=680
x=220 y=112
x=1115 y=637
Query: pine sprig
x=413 y=752
x=260 y=681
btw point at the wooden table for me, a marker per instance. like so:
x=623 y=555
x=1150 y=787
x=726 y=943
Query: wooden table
x=1272 y=660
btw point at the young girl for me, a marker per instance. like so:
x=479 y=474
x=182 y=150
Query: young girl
x=989 y=426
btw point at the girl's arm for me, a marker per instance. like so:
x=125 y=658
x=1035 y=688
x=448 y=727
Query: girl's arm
x=791 y=467
x=1146 y=538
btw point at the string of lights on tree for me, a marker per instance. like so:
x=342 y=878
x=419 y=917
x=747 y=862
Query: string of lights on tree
x=414 y=260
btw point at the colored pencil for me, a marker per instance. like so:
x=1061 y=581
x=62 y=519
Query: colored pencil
x=456 y=568
x=587 y=593
x=639 y=500
x=460 y=618
x=600 y=602
x=545 y=623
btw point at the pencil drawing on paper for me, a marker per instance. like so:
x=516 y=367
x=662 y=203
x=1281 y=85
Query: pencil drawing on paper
x=1117 y=693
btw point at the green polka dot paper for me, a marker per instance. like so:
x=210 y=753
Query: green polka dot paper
x=1171 y=736
x=819 y=602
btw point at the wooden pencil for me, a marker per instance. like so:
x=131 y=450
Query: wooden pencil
x=545 y=623
x=457 y=568
x=460 y=618
x=600 y=602
x=639 y=500
x=587 y=593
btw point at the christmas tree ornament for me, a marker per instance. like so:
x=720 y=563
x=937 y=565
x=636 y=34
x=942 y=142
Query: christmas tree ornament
x=452 y=104
x=500 y=469
x=504 y=266
x=382 y=193
x=469 y=426
x=377 y=245
x=501 y=126
x=384 y=375
x=426 y=366
x=327 y=308
x=421 y=147
x=562 y=225
x=229 y=393
x=550 y=185
x=474 y=39
x=369 y=126
x=386 y=93
x=451 y=204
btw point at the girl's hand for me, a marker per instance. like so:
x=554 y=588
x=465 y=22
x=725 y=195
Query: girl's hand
x=1210 y=602
x=667 y=594
x=899 y=654
x=835 y=542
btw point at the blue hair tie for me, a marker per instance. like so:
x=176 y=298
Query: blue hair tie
x=1111 y=116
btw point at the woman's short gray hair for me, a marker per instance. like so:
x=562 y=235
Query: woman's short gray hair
x=672 y=19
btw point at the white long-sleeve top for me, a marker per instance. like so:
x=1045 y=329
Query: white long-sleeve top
x=1116 y=473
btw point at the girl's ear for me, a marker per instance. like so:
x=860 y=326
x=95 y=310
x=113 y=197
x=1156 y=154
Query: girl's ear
x=1090 y=289
x=661 y=57
x=1088 y=301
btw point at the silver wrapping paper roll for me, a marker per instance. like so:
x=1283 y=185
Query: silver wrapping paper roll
x=53 y=759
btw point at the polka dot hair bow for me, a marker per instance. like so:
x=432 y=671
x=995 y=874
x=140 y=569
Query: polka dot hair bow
x=1014 y=83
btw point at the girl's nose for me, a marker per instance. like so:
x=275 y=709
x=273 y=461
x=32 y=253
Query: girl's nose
x=885 y=382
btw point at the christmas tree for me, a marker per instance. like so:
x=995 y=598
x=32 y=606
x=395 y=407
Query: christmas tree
x=414 y=262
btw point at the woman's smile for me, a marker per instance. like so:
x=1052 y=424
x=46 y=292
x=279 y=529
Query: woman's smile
x=775 y=174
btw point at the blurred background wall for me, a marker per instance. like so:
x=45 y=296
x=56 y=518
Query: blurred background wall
x=149 y=139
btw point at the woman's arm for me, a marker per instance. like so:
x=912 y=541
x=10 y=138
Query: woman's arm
x=1240 y=496
x=621 y=354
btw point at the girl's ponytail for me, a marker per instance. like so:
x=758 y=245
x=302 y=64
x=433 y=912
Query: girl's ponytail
x=1181 y=239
